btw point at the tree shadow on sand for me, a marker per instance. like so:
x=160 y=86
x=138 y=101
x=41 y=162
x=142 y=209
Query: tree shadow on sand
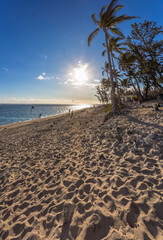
x=134 y=119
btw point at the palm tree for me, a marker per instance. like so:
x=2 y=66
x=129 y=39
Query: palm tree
x=114 y=46
x=105 y=69
x=117 y=47
x=108 y=23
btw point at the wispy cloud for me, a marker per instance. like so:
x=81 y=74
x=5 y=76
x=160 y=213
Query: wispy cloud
x=44 y=57
x=18 y=100
x=91 y=84
x=97 y=81
x=44 y=77
x=28 y=100
x=5 y=69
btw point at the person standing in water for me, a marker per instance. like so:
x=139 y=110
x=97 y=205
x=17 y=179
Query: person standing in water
x=32 y=108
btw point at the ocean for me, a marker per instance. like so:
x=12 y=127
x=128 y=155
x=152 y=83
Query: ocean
x=13 y=113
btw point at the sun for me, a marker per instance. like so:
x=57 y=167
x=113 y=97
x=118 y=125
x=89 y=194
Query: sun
x=80 y=74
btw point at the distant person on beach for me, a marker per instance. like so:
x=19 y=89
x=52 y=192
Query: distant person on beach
x=40 y=115
x=32 y=108
x=71 y=114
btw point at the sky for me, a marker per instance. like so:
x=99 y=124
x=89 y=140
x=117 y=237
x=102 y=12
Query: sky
x=44 y=54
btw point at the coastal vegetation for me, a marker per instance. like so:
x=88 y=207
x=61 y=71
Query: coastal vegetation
x=134 y=65
x=108 y=23
x=142 y=62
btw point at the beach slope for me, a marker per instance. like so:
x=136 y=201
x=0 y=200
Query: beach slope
x=88 y=177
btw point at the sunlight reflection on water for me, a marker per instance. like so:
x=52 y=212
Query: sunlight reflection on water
x=12 y=113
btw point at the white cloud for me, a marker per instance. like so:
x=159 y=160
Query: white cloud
x=6 y=69
x=40 y=77
x=97 y=80
x=43 y=77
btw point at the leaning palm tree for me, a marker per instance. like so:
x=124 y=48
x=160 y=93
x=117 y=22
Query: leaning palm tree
x=108 y=23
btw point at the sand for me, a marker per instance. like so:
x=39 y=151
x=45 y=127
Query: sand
x=88 y=177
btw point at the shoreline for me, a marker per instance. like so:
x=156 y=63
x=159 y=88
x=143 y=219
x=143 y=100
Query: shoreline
x=39 y=119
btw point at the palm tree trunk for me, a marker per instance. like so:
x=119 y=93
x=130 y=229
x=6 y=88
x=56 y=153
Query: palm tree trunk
x=113 y=97
x=138 y=87
x=136 y=91
x=116 y=79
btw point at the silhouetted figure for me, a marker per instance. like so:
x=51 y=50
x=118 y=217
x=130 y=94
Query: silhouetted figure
x=40 y=115
x=32 y=108
x=71 y=115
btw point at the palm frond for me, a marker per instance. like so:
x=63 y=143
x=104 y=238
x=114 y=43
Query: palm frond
x=109 y=14
x=102 y=10
x=119 y=50
x=114 y=41
x=121 y=19
x=115 y=9
x=93 y=35
x=103 y=72
x=103 y=53
x=117 y=32
x=111 y=5
x=122 y=48
x=106 y=65
x=94 y=19
x=117 y=39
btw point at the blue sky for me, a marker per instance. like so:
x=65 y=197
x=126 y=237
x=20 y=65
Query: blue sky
x=44 y=55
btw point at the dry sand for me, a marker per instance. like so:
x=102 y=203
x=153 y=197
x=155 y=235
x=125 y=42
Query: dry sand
x=83 y=178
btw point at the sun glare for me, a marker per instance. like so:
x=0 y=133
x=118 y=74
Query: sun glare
x=80 y=74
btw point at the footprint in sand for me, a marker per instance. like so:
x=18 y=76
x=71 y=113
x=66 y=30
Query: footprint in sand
x=133 y=215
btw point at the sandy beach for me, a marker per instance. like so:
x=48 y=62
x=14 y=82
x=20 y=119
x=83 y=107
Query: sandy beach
x=88 y=177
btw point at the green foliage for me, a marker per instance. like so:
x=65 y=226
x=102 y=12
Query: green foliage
x=142 y=60
x=120 y=106
x=108 y=23
x=108 y=108
x=78 y=123
x=102 y=92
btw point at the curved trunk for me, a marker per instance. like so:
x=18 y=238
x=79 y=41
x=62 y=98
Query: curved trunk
x=113 y=97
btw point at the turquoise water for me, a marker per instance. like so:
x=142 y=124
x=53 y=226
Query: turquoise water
x=13 y=113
